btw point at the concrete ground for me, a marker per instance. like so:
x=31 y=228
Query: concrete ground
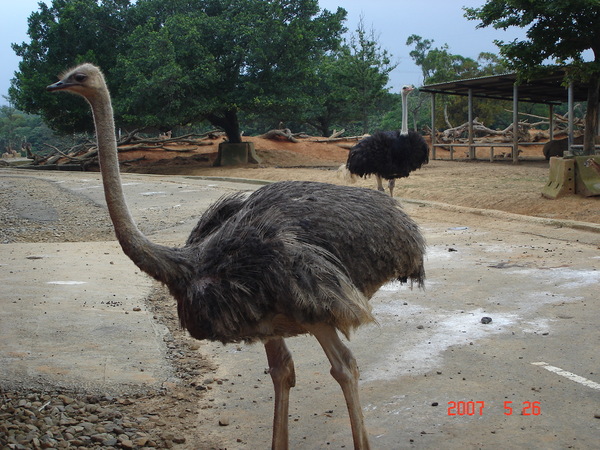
x=433 y=375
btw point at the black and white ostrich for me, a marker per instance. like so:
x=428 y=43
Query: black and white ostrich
x=389 y=154
x=292 y=258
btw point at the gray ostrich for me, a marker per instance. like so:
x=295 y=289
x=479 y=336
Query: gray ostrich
x=292 y=258
x=389 y=154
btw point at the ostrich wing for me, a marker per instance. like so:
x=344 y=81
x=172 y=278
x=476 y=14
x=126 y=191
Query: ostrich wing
x=215 y=216
x=259 y=275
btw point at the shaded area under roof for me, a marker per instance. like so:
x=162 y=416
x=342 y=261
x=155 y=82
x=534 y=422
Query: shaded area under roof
x=547 y=89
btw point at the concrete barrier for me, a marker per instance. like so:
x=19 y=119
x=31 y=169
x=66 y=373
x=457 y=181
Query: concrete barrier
x=587 y=180
x=231 y=154
x=561 y=180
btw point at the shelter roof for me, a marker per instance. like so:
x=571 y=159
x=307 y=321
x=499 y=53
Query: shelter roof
x=547 y=89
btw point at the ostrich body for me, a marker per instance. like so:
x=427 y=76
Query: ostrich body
x=389 y=154
x=292 y=258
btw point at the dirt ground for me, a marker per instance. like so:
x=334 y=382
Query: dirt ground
x=499 y=185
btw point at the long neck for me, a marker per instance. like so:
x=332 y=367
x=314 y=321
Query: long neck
x=404 y=129
x=162 y=263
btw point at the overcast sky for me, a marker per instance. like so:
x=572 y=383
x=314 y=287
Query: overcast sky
x=393 y=21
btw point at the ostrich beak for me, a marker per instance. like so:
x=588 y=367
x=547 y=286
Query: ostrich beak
x=59 y=86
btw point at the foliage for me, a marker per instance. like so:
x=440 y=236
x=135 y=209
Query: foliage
x=558 y=32
x=17 y=128
x=364 y=68
x=439 y=65
x=350 y=84
x=174 y=62
x=66 y=33
x=224 y=56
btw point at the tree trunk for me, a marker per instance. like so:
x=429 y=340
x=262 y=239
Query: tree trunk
x=229 y=123
x=321 y=125
x=324 y=128
x=591 y=117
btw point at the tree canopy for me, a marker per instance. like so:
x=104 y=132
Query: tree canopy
x=558 y=32
x=18 y=129
x=438 y=65
x=220 y=57
x=64 y=34
x=350 y=84
x=171 y=62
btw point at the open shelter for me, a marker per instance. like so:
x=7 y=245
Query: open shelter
x=548 y=90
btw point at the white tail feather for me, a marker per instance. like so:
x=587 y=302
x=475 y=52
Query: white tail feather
x=345 y=174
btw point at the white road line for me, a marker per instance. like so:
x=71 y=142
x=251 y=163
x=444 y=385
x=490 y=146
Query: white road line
x=570 y=375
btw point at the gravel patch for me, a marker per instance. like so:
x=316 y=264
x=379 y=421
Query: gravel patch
x=36 y=210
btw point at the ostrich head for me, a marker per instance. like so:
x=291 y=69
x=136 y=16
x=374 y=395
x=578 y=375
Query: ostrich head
x=407 y=89
x=85 y=80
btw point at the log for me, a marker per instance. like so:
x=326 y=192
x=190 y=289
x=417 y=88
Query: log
x=453 y=134
x=336 y=134
x=180 y=150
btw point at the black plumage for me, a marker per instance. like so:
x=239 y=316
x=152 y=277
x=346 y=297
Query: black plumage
x=389 y=154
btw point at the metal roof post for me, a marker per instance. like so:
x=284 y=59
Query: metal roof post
x=570 y=100
x=515 y=148
x=471 y=147
x=433 y=125
x=551 y=121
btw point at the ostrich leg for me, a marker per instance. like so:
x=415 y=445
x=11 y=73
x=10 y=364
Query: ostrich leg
x=391 y=184
x=345 y=371
x=281 y=368
x=379 y=184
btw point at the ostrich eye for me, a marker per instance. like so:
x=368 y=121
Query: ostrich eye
x=80 y=77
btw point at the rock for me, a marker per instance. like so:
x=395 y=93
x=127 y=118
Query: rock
x=141 y=441
x=486 y=320
x=66 y=400
x=223 y=421
x=126 y=443
x=101 y=437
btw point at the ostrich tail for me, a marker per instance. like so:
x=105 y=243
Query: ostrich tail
x=345 y=174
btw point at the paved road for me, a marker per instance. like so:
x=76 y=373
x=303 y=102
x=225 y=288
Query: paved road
x=74 y=314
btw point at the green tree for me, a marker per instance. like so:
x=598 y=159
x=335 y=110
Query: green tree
x=365 y=69
x=66 y=33
x=329 y=98
x=559 y=32
x=350 y=84
x=179 y=61
x=439 y=65
x=17 y=128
